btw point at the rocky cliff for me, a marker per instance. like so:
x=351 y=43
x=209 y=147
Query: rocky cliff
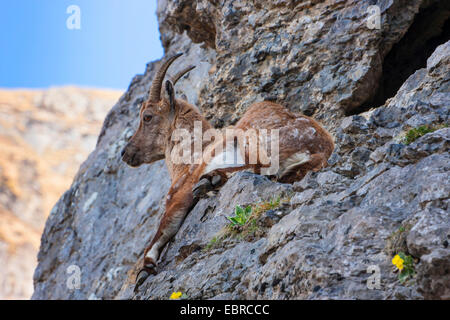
x=383 y=93
x=44 y=137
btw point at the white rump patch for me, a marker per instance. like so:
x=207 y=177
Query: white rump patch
x=229 y=158
x=293 y=161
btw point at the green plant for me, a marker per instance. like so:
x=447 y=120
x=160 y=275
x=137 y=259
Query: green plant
x=241 y=216
x=415 y=133
x=213 y=243
x=244 y=224
x=404 y=263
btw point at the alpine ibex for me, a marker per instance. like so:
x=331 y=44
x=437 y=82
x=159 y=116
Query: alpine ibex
x=303 y=145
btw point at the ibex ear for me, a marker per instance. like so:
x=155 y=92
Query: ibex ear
x=169 y=95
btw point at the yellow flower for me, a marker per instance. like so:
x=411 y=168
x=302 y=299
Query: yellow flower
x=395 y=259
x=398 y=262
x=175 y=295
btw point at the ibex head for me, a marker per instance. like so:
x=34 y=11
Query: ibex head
x=156 y=118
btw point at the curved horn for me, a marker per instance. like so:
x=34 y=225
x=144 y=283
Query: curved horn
x=181 y=74
x=155 y=90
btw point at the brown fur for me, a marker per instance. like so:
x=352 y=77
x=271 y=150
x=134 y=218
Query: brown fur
x=152 y=142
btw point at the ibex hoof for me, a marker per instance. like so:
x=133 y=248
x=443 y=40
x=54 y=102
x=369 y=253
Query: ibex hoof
x=143 y=274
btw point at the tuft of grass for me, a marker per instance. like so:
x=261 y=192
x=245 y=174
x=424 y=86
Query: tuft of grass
x=396 y=241
x=264 y=206
x=415 y=133
x=244 y=224
x=214 y=242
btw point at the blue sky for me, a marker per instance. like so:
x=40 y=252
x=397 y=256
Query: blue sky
x=37 y=50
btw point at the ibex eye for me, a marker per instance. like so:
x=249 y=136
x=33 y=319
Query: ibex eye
x=147 y=118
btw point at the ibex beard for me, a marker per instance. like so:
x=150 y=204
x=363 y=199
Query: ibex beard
x=298 y=144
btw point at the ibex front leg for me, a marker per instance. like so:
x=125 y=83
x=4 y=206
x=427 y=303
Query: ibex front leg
x=178 y=203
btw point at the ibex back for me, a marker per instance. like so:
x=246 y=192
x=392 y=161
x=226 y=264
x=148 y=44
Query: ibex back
x=303 y=145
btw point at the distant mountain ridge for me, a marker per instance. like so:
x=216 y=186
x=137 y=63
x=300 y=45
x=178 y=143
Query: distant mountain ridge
x=44 y=137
